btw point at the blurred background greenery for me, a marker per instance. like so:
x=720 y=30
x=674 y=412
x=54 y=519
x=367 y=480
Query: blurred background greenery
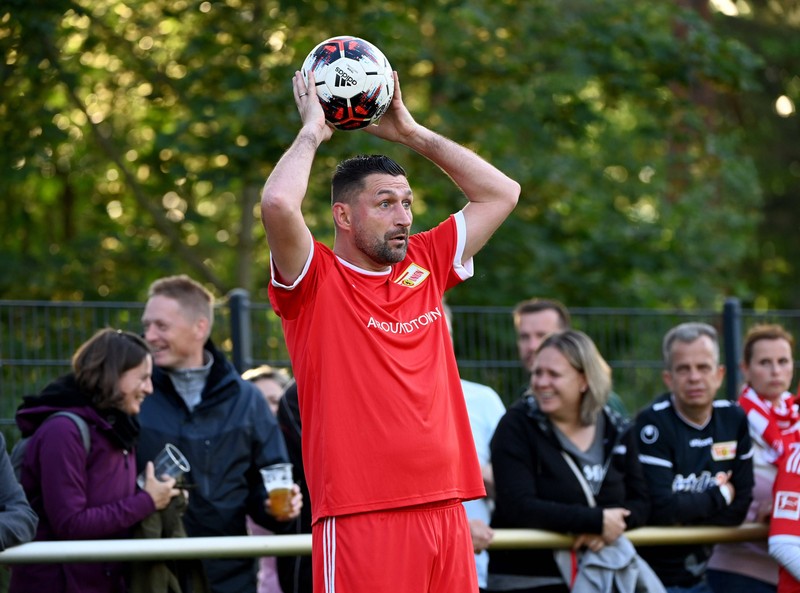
x=656 y=142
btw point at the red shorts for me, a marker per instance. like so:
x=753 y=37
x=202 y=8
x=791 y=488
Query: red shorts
x=421 y=549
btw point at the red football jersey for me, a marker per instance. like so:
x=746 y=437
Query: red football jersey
x=383 y=416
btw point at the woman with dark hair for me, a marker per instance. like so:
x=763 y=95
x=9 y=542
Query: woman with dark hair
x=88 y=494
x=564 y=462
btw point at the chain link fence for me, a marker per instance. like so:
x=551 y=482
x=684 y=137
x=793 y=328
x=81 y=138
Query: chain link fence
x=38 y=338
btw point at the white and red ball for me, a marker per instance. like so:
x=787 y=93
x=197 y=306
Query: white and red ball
x=353 y=79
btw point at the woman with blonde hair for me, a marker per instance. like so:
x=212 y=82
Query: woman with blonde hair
x=563 y=461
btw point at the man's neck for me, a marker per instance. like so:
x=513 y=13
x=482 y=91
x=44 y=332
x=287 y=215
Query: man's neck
x=355 y=257
x=190 y=382
x=698 y=417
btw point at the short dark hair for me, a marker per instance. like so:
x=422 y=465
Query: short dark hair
x=99 y=362
x=349 y=176
x=764 y=331
x=537 y=305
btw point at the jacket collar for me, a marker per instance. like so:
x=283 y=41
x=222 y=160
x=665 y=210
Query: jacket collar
x=220 y=375
x=615 y=424
x=63 y=394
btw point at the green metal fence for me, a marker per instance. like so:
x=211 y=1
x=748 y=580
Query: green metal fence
x=37 y=339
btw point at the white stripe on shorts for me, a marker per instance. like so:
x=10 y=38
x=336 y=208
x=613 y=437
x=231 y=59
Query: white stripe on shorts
x=329 y=553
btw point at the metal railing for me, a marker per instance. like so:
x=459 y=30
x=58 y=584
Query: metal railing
x=38 y=338
x=300 y=545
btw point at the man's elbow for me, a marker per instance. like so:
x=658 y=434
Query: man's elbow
x=512 y=194
x=275 y=207
x=500 y=203
x=271 y=198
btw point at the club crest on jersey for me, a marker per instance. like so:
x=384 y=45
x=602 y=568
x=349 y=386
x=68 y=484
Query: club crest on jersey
x=649 y=434
x=787 y=505
x=413 y=276
x=723 y=451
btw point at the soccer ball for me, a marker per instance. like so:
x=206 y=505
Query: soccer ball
x=353 y=79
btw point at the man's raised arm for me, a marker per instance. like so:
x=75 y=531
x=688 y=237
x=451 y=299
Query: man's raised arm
x=492 y=195
x=281 y=200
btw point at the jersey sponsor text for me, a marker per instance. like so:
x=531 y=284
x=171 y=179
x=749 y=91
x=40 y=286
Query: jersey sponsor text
x=406 y=327
x=693 y=482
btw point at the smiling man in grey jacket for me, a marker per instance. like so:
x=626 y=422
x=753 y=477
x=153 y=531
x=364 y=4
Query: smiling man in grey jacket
x=218 y=420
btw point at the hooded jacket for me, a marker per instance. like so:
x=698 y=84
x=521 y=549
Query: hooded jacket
x=536 y=489
x=226 y=438
x=78 y=495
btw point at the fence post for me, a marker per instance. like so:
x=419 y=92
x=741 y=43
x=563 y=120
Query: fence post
x=732 y=332
x=239 y=304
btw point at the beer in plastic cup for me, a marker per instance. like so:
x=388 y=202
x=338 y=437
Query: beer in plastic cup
x=279 y=484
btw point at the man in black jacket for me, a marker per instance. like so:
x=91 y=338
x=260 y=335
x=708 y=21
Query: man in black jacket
x=294 y=572
x=696 y=454
x=217 y=419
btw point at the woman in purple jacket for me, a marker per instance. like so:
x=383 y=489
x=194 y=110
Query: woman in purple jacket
x=80 y=494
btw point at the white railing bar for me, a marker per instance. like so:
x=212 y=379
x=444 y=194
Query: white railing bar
x=300 y=545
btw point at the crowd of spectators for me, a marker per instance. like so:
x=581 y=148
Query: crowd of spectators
x=566 y=456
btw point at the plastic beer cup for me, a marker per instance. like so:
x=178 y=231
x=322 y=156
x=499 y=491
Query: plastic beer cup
x=279 y=484
x=170 y=461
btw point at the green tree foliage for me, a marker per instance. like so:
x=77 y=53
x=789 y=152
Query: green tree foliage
x=770 y=126
x=136 y=137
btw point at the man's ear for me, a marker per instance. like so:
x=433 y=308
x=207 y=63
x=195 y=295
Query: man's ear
x=341 y=215
x=201 y=327
x=667 y=377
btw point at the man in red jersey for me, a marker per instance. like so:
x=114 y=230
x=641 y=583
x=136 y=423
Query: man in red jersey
x=387 y=443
